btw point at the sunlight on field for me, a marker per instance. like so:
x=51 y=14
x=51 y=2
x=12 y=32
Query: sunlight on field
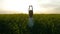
x=17 y=24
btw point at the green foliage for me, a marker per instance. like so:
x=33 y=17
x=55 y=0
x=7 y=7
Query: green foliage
x=17 y=24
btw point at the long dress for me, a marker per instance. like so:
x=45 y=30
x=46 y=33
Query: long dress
x=30 y=22
x=30 y=25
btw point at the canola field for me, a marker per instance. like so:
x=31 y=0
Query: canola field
x=17 y=24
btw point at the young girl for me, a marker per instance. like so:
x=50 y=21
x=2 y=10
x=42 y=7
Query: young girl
x=30 y=19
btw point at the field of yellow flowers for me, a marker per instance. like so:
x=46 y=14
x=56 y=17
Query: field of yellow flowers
x=17 y=24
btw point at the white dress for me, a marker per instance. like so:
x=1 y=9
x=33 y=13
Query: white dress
x=30 y=22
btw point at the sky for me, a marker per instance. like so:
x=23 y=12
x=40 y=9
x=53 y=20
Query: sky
x=21 y=6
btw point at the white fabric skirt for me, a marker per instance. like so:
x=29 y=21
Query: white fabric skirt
x=30 y=22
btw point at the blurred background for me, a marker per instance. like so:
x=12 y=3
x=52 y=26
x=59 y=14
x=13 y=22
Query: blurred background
x=21 y=6
x=14 y=17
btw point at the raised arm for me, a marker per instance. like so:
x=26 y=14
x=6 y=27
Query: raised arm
x=30 y=10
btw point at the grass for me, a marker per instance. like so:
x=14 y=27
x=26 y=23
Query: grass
x=17 y=24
